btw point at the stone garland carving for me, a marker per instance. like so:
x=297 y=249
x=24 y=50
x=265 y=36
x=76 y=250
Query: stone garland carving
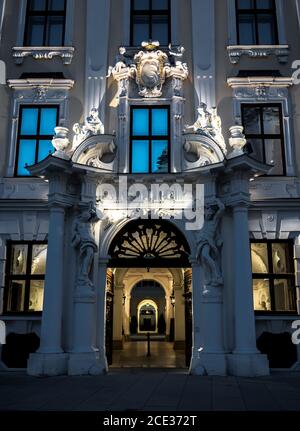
x=209 y=245
x=83 y=240
x=208 y=123
x=93 y=126
x=149 y=68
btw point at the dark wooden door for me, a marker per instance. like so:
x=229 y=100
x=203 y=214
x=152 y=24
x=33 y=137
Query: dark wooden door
x=109 y=317
x=188 y=315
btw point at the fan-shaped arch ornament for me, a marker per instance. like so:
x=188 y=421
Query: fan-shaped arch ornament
x=149 y=243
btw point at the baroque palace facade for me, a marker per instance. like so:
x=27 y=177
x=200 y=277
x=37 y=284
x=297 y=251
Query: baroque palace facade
x=109 y=105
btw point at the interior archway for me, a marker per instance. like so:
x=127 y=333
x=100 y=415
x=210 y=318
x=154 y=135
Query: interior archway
x=152 y=253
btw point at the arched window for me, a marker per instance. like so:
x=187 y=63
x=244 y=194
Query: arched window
x=149 y=243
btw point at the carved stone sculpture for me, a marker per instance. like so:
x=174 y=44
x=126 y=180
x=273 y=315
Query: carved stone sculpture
x=208 y=123
x=149 y=68
x=92 y=126
x=209 y=245
x=83 y=240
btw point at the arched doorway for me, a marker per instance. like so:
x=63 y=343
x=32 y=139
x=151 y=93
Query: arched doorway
x=153 y=252
x=147 y=312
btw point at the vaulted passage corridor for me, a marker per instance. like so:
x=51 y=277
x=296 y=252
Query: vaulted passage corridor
x=134 y=355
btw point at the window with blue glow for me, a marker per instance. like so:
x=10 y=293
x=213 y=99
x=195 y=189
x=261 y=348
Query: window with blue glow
x=45 y=23
x=36 y=130
x=150 y=140
x=150 y=20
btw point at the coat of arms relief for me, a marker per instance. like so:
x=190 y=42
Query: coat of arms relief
x=150 y=67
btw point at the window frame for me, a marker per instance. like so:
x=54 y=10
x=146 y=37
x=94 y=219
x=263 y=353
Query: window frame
x=271 y=276
x=263 y=136
x=256 y=11
x=45 y=14
x=37 y=137
x=149 y=12
x=27 y=277
x=150 y=138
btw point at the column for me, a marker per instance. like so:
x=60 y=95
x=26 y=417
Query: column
x=101 y=313
x=179 y=342
x=118 y=318
x=168 y=314
x=97 y=32
x=245 y=337
x=203 y=29
x=245 y=360
x=126 y=312
x=50 y=359
x=197 y=289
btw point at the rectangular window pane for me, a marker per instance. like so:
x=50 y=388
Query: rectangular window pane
x=160 y=4
x=255 y=148
x=37 y=5
x=55 y=31
x=140 y=156
x=36 y=295
x=271 y=118
x=18 y=262
x=160 y=122
x=247 y=30
x=141 y=29
x=29 y=121
x=16 y=295
x=245 y=4
x=56 y=5
x=282 y=261
x=266 y=30
x=35 y=35
x=26 y=155
x=265 y=4
x=39 y=256
x=141 y=4
x=48 y=121
x=274 y=156
x=259 y=258
x=284 y=293
x=261 y=295
x=160 y=29
x=140 y=122
x=251 y=120
x=45 y=148
x=160 y=159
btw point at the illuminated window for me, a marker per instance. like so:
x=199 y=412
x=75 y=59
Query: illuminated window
x=256 y=22
x=273 y=276
x=25 y=275
x=45 y=23
x=36 y=130
x=264 y=134
x=150 y=140
x=150 y=20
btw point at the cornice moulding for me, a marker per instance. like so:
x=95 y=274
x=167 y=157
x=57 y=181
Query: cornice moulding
x=43 y=53
x=57 y=84
x=254 y=81
x=258 y=51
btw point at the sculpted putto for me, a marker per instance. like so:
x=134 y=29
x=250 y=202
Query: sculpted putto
x=209 y=244
x=92 y=126
x=208 y=123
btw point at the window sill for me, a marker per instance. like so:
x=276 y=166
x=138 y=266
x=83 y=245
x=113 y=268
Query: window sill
x=43 y=53
x=235 y=52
